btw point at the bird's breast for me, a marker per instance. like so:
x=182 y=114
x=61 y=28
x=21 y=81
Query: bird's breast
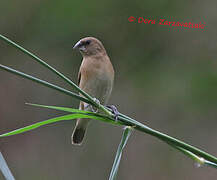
x=99 y=87
x=98 y=84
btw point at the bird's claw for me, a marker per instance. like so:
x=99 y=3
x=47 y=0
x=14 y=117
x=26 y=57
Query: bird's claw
x=96 y=100
x=114 y=111
x=93 y=109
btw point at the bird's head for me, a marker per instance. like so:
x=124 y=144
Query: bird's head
x=89 y=46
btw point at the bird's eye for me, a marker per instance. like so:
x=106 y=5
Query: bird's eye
x=87 y=42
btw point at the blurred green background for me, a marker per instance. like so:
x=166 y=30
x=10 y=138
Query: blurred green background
x=165 y=77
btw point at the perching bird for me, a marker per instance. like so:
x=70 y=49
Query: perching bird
x=95 y=77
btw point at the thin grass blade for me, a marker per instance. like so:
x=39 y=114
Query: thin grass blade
x=49 y=121
x=65 y=109
x=45 y=83
x=5 y=169
x=200 y=161
x=96 y=116
x=91 y=99
x=126 y=134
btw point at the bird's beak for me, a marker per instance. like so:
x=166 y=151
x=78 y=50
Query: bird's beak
x=77 y=45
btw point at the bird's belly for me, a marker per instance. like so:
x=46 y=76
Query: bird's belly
x=99 y=87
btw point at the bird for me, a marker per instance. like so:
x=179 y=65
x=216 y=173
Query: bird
x=95 y=77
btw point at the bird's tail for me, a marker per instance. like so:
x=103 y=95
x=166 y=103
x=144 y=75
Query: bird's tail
x=80 y=127
x=79 y=131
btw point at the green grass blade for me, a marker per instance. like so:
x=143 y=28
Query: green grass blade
x=41 y=62
x=49 y=121
x=199 y=160
x=126 y=134
x=5 y=169
x=91 y=99
x=66 y=109
x=94 y=115
x=209 y=163
x=45 y=83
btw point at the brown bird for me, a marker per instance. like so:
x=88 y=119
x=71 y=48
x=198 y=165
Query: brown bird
x=95 y=77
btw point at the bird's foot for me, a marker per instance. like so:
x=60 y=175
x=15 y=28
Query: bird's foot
x=93 y=109
x=114 y=111
x=96 y=100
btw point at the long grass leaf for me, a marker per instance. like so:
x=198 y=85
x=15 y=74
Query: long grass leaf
x=45 y=83
x=200 y=161
x=49 y=121
x=66 y=109
x=91 y=99
x=5 y=169
x=125 y=137
x=97 y=116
